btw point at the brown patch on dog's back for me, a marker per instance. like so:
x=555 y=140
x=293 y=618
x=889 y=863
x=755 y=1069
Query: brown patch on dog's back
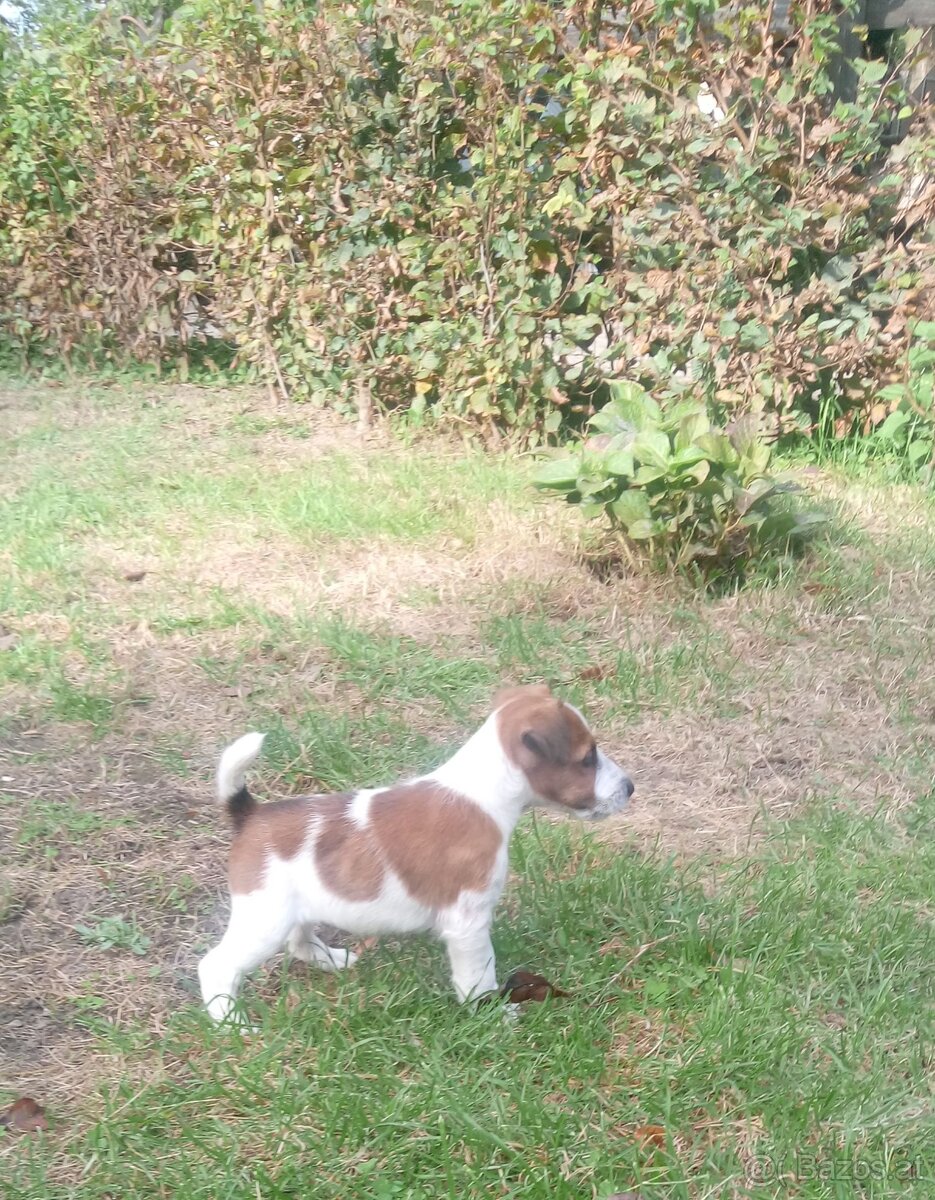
x=346 y=854
x=279 y=828
x=550 y=743
x=438 y=843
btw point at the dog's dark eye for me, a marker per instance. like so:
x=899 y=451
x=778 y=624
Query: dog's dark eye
x=590 y=759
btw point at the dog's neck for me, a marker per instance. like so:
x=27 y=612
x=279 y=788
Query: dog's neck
x=482 y=771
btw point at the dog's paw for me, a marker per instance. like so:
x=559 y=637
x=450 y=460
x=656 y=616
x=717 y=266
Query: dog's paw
x=343 y=959
x=337 y=959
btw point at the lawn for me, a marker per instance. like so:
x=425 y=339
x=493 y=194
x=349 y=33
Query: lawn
x=750 y=951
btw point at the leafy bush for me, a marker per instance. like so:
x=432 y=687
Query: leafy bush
x=675 y=489
x=910 y=426
x=482 y=211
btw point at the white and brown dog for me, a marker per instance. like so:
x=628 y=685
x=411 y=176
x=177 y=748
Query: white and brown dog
x=428 y=854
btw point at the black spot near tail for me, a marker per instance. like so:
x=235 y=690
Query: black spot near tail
x=239 y=808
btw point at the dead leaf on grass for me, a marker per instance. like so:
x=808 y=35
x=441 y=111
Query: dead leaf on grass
x=650 y=1135
x=523 y=986
x=593 y=673
x=24 y=1116
x=135 y=576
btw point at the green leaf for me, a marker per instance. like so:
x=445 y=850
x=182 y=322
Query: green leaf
x=716 y=447
x=651 y=447
x=557 y=473
x=631 y=508
x=594 y=485
x=691 y=427
x=872 y=71
x=629 y=397
x=746 y=498
x=641 y=531
x=892 y=425
x=598 y=115
x=700 y=471
x=647 y=474
x=620 y=463
x=687 y=457
x=759 y=457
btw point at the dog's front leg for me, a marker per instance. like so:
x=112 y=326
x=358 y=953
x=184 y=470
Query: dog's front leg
x=473 y=967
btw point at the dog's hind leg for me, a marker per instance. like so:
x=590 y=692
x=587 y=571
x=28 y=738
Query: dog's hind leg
x=306 y=946
x=258 y=927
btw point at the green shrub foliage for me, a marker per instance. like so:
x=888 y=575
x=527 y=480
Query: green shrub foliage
x=678 y=491
x=482 y=210
x=909 y=428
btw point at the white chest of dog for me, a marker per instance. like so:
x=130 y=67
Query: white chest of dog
x=427 y=854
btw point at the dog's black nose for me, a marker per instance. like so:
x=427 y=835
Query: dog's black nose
x=629 y=786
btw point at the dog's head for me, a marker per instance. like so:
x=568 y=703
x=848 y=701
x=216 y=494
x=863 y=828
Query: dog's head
x=552 y=745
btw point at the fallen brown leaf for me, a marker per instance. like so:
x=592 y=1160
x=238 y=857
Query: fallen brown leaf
x=523 y=986
x=24 y=1116
x=594 y=672
x=134 y=576
x=650 y=1135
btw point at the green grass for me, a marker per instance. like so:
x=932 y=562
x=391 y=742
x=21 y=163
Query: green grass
x=630 y=674
x=56 y=825
x=321 y=750
x=861 y=456
x=773 y=1014
x=114 y=933
x=150 y=471
x=112 y=480
x=386 y=665
x=796 y=1003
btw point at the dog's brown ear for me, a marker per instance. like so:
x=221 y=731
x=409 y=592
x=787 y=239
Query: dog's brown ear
x=531 y=691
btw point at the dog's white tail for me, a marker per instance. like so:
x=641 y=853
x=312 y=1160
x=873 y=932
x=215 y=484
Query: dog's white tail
x=231 y=776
